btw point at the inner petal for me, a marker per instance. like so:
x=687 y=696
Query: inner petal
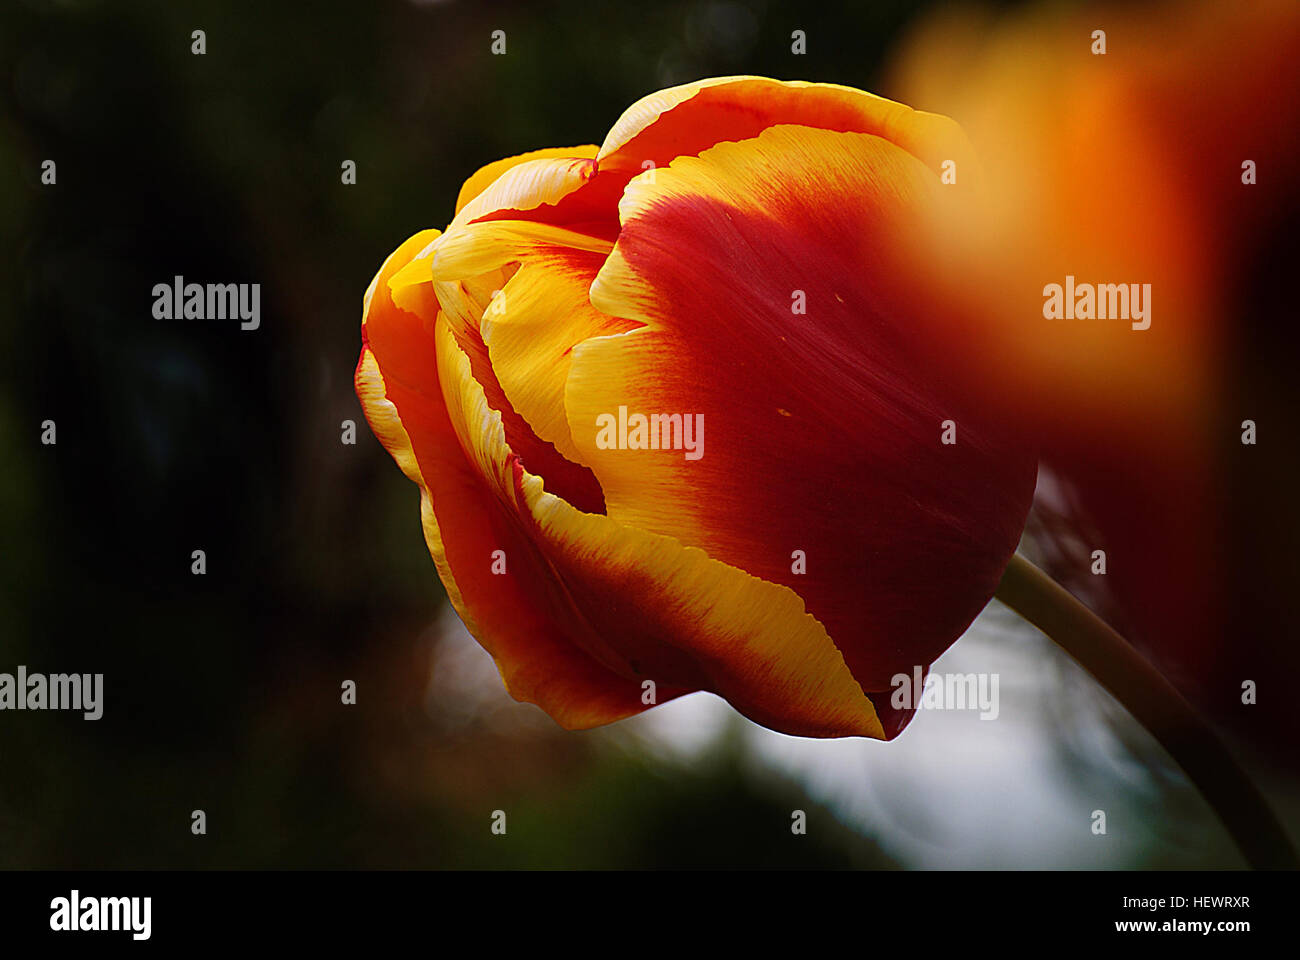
x=463 y=302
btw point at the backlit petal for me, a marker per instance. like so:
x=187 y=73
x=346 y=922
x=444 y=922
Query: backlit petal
x=487 y=175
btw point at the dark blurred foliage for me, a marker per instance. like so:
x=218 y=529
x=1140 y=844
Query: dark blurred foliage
x=222 y=691
x=1261 y=556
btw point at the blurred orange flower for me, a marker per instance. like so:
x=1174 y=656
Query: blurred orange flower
x=1151 y=145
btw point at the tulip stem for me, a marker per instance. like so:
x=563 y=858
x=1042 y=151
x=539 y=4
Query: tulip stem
x=1157 y=705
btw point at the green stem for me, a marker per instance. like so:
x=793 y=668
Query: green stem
x=1157 y=705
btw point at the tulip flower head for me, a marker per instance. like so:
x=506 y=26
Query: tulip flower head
x=722 y=268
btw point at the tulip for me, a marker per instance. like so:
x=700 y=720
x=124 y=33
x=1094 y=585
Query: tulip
x=726 y=258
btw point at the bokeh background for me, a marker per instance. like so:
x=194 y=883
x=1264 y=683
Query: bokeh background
x=223 y=691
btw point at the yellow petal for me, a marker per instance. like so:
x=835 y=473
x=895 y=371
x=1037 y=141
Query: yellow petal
x=468 y=250
x=531 y=329
x=489 y=174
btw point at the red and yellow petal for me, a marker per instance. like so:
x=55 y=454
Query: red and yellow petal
x=686 y=120
x=515 y=293
x=822 y=430
x=397 y=383
x=463 y=302
x=526 y=187
x=748 y=640
x=564 y=191
x=658 y=610
x=531 y=329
